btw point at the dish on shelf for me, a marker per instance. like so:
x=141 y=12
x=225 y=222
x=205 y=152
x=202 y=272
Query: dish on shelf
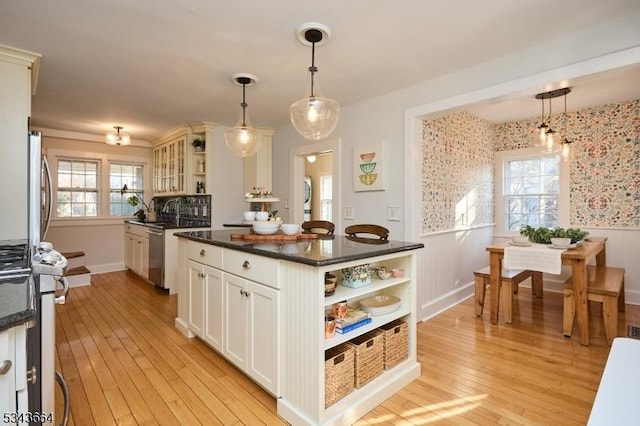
x=383 y=273
x=380 y=304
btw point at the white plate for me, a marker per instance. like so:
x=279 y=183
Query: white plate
x=511 y=243
x=380 y=304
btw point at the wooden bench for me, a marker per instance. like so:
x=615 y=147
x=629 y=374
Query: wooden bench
x=605 y=284
x=509 y=282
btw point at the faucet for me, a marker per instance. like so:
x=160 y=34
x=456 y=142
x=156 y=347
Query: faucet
x=177 y=204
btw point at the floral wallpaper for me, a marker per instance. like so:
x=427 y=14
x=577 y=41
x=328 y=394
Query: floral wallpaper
x=605 y=173
x=457 y=174
x=457 y=159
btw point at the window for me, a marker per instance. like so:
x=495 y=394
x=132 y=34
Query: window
x=531 y=189
x=77 y=194
x=121 y=174
x=86 y=185
x=531 y=192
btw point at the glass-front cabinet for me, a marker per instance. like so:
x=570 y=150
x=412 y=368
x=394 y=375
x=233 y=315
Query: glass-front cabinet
x=181 y=160
x=169 y=167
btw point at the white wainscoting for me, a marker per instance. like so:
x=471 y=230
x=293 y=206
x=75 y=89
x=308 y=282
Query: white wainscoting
x=446 y=266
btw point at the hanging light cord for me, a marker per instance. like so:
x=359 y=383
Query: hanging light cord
x=244 y=105
x=312 y=68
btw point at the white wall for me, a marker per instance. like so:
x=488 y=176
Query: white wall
x=448 y=261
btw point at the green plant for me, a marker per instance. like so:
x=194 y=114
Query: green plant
x=134 y=201
x=543 y=235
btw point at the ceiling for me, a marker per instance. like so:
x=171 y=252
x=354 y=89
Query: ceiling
x=151 y=65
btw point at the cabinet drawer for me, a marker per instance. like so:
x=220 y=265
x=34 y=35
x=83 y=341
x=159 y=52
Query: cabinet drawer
x=205 y=253
x=258 y=268
x=138 y=230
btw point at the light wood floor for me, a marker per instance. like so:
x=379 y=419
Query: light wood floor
x=125 y=363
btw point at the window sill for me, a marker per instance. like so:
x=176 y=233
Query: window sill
x=94 y=221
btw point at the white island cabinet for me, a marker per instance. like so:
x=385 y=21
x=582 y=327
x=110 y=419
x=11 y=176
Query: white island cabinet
x=273 y=310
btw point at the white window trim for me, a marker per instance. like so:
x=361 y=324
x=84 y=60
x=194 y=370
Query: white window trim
x=501 y=158
x=103 y=159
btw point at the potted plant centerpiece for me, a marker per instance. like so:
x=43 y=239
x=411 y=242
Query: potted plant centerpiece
x=144 y=211
x=543 y=235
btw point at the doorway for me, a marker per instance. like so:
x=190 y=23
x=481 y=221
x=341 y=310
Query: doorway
x=324 y=175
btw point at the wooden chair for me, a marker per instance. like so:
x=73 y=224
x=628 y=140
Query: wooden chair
x=367 y=233
x=605 y=284
x=312 y=226
x=509 y=282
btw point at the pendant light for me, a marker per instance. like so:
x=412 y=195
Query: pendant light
x=117 y=138
x=567 y=147
x=314 y=116
x=242 y=139
x=550 y=139
x=542 y=128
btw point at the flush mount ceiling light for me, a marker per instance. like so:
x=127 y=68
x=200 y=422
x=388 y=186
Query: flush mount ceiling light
x=242 y=139
x=314 y=116
x=549 y=139
x=117 y=138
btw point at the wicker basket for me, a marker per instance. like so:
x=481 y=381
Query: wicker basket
x=396 y=343
x=338 y=373
x=369 y=356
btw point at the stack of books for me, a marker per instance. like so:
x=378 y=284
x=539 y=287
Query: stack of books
x=355 y=318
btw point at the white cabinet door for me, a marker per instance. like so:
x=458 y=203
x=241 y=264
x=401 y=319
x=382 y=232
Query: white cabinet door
x=236 y=311
x=196 y=298
x=213 y=307
x=7 y=372
x=129 y=244
x=264 y=336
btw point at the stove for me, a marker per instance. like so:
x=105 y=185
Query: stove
x=15 y=258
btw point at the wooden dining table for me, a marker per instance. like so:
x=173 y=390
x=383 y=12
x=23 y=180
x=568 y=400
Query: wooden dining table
x=577 y=258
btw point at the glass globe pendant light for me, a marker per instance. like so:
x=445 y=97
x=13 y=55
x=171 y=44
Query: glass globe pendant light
x=314 y=117
x=242 y=139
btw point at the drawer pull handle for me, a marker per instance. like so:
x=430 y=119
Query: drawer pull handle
x=201 y=274
x=32 y=376
x=202 y=252
x=242 y=292
x=5 y=366
x=246 y=265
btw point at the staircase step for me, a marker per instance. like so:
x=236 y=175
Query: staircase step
x=73 y=254
x=78 y=270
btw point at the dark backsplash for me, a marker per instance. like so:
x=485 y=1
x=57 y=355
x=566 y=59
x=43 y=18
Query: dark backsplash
x=193 y=210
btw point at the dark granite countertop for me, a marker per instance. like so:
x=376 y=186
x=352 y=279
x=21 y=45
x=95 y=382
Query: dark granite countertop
x=164 y=225
x=326 y=250
x=17 y=301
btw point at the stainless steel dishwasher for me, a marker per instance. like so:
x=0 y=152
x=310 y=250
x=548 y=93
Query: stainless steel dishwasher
x=156 y=257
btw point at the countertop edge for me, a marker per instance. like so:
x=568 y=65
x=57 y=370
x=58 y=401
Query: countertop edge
x=317 y=263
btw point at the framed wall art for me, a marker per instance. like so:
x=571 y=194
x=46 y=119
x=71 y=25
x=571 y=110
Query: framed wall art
x=369 y=168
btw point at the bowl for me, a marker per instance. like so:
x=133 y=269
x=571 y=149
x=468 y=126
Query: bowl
x=290 y=228
x=266 y=227
x=397 y=273
x=383 y=273
x=380 y=304
x=519 y=239
x=561 y=242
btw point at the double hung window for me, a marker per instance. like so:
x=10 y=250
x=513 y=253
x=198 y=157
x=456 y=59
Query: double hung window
x=531 y=189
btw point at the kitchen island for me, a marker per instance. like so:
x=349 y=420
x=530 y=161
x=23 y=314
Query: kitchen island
x=262 y=306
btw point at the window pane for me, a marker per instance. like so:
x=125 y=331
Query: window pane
x=77 y=188
x=531 y=192
x=122 y=174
